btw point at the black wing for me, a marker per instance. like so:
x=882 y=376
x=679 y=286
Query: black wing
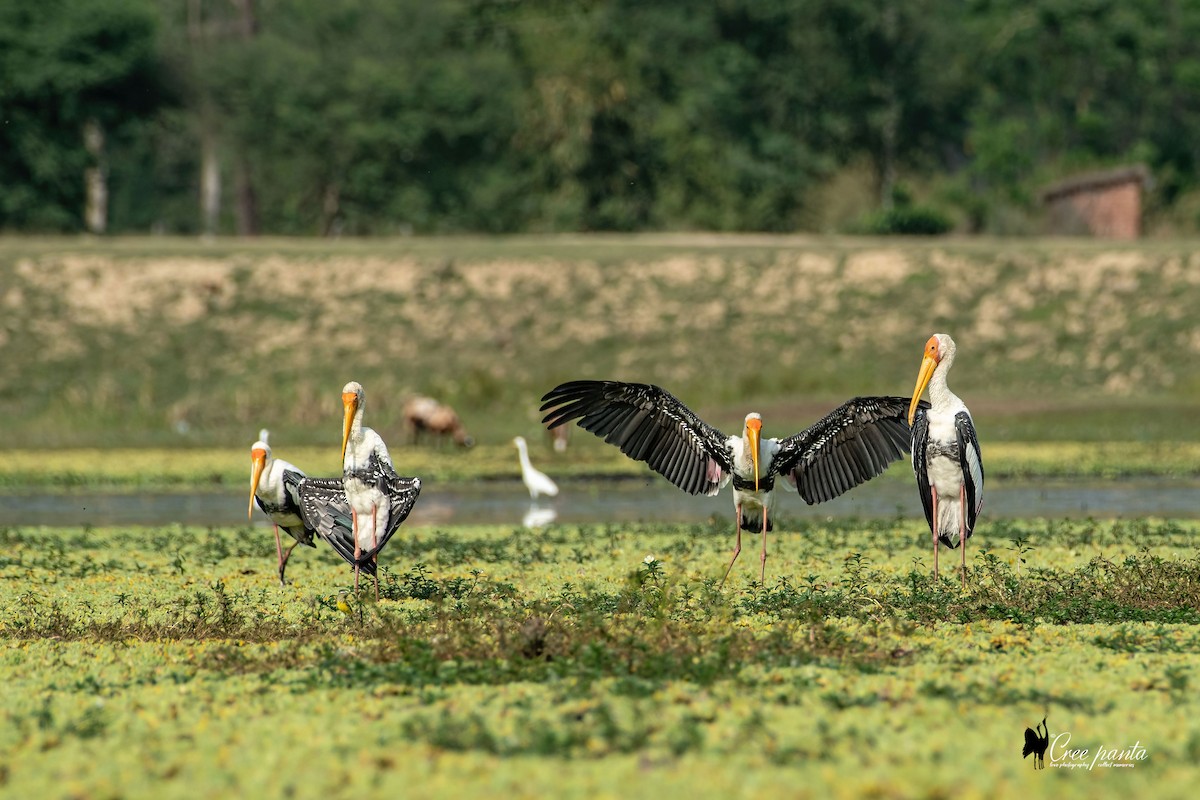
x=852 y=444
x=324 y=509
x=920 y=462
x=649 y=424
x=1032 y=740
x=290 y=508
x=402 y=494
x=972 y=466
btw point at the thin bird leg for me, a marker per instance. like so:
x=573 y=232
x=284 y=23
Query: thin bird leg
x=284 y=560
x=962 y=531
x=737 y=549
x=279 y=552
x=934 y=526
x=375 y=544
x=354 y=517
x=762 y=575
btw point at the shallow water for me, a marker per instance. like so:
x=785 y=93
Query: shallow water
x=503 y=502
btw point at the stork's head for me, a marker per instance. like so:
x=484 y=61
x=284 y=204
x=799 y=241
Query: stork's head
x=752 y=435
x=939 y=351
x=260 y=456
x=352 y=403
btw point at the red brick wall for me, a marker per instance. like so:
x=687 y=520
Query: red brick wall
x=1109 y=212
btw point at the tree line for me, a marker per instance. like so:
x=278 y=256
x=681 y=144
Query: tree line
x=393 y=116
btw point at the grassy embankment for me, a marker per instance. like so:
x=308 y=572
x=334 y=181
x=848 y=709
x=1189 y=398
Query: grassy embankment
x=167 y=662
x=185 y=350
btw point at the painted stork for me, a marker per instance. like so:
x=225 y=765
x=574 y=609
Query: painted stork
x=945 y=454
x=852 y=444
x=275 y=485
x=380 y=500
x=536 y=481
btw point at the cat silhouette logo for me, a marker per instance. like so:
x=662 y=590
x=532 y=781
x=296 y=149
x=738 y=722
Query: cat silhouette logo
x=1036 y=741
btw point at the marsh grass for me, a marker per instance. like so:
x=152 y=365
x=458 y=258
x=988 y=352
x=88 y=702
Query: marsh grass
x=585 y=651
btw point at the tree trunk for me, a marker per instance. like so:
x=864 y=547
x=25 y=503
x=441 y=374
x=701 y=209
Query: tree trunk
x=95 y=179
x=248 y=22
x=210 y=182
x=243 y=179
x=890 y=124
x=247 y=199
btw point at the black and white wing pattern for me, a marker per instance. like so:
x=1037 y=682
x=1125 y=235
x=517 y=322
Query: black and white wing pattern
x=649 y=424
x=324 y=509
x=972 y=466
x=289 y=509
x=402 y=495
x=853 y=444
x=920 y=462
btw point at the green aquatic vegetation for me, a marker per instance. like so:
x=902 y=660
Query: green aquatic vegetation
x=577 y=660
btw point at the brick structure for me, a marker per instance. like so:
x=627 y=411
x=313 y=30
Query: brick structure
x=1104 y=204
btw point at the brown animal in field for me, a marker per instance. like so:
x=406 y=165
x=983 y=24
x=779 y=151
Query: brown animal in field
x=424 y=414
x=558 y=437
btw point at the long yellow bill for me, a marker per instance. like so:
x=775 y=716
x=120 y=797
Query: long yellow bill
x=928 y=365
x=753 y=429
x=350 y=404
x=259 y=460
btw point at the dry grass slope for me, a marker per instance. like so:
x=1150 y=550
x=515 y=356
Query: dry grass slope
x=131 y=340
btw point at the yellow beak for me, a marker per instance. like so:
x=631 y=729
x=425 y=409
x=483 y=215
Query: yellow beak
x=928 y=365
x=350 y=406
x=259 y=459
x=753 y=430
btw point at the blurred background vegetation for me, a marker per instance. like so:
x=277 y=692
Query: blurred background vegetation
x=389 y=117
x=170 y=341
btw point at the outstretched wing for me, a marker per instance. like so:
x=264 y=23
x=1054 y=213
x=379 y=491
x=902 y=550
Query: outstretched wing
x=649 y=424
x=324 y=509
x=852 y=444
x=972 y=466
x=920 y=462
x=1031 y=742
x=402 y=495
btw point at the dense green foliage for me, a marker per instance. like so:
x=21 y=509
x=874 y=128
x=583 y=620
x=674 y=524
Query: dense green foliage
x=583 y=661
x=389 y=116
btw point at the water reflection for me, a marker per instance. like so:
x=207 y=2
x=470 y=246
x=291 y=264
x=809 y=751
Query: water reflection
x=507 y=502
x=538 y=516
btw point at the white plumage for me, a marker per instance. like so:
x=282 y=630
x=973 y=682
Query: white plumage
x=536 y=481
x=379 y=498
x=945 y=454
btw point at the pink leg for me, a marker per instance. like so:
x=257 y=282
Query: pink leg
x=962 y=531
x=737 y=549
x=283 y=561
x=934 y=526
x=762 y=575
x=354 y=517
x=279 y=553
x=375 y=544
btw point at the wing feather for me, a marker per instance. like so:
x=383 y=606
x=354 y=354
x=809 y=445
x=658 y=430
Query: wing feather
x=325 y=510
x=648 y=424
x=972 y=466
x=402 y=494
x=920 y=462
x=851 y=445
